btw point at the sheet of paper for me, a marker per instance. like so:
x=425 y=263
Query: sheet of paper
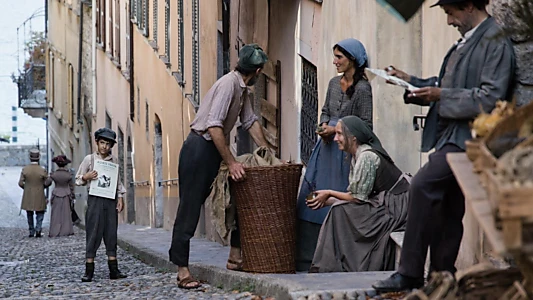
x=371 y=73
x=106 y=184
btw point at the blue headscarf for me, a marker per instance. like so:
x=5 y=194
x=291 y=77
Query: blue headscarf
x=356 y=50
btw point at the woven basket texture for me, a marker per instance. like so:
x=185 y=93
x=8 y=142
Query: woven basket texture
x=266 y=210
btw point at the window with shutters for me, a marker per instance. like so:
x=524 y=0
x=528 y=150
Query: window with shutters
x=167 y=29
x=111 y=27
x=309 y=113
x=195 y=53
x=133 y=10
x=100 y=22
x=145 y=19
x=129 y=14
x=142 y=16
x=155 y=20
x=117 y=31
x=51 y=82
x=70 y=95
x=179 y=44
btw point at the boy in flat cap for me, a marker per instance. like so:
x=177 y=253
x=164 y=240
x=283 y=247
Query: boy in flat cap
x=477 y=71
x=34 y=179
x=101 y=217
x=206 y=147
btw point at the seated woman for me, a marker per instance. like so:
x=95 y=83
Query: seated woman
x=355 y=234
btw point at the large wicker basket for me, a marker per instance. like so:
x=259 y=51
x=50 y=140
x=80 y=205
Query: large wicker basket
x=266 y=211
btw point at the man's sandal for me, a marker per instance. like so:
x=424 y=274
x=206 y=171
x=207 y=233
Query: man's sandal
x=184 y=283
x=234 y=265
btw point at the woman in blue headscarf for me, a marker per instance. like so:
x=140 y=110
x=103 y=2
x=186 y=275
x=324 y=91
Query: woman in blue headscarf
x=348 y=94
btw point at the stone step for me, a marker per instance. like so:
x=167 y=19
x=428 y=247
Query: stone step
x=397 y=237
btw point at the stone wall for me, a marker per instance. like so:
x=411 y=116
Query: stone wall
x=11 y=156
x=522 y=38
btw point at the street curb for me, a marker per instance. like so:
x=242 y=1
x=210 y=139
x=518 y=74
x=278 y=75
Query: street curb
x=262 y=284
x=215 y=276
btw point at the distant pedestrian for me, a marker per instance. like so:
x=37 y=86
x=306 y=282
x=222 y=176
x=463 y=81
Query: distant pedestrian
x=62 y=199
x=101 y=217
x=34 y=179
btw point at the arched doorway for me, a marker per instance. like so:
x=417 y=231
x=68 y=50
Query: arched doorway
x=158 y=173
x=130 y=200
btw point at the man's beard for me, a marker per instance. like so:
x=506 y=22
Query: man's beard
x=252 y=80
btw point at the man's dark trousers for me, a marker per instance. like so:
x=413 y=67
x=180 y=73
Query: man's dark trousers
x=199 y=163
x=435 y=217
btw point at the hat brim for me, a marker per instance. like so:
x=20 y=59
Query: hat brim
x=444 y=2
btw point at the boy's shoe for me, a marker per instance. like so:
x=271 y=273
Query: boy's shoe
x=114 y=272
x=31 y=234
x=89 y=272
x=38 y=234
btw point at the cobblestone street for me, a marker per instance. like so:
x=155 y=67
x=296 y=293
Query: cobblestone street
x=51 y=268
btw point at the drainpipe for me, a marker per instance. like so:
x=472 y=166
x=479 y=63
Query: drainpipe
x=80 y=53
x=93 y=56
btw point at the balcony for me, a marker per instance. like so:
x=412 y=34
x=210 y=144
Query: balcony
x=32 y=90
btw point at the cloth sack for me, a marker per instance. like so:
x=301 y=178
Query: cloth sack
x=219 y=204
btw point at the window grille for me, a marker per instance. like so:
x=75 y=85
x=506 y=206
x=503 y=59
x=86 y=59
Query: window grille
x=195 y=53
x=309 y=113
x=138 y=105
x=120 y=146
x=180 y=37
x=155 y=20
x=147 y=121
x=167 y=29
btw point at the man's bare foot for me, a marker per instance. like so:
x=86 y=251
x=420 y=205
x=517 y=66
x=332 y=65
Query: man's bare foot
x=234 y=259
x=185 y=280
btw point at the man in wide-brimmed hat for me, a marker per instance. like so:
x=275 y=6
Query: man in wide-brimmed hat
x=477 y=71
x=206 y=147
x=34 y=179
x=101 y=217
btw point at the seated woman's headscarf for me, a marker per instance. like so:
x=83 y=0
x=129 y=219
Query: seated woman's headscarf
x=364 y=134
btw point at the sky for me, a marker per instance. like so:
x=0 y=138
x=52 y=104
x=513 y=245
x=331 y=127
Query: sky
x=12 y=16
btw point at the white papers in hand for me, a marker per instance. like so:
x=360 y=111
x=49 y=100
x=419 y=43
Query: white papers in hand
x=371 y=73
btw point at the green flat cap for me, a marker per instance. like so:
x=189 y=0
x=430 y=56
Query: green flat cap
x=251 y=57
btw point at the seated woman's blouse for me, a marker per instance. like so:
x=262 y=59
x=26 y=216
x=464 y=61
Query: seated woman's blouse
x=363 y=173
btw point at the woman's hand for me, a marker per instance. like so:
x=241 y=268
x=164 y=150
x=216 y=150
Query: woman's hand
x=326 y=132
x=319 y=200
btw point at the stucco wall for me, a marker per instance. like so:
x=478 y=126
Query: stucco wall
x=63 y=37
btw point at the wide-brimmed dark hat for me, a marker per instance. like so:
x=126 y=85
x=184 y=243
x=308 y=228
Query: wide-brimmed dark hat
x=107 y=134
x=61 y=160
x=443 y=2
x=35 y=154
